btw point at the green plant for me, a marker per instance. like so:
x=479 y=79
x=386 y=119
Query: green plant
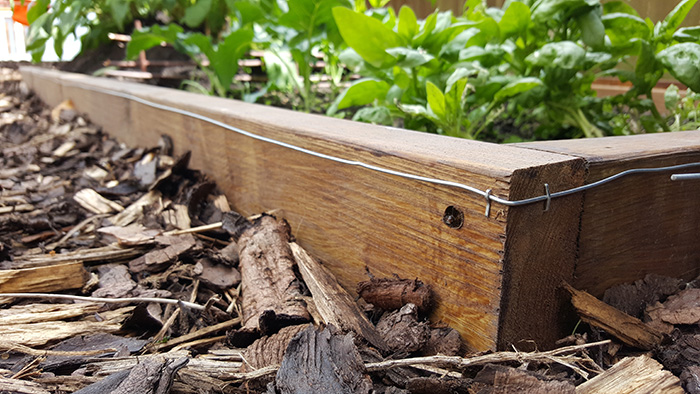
x=523 y=72
x=100 y=17
x=685 y=108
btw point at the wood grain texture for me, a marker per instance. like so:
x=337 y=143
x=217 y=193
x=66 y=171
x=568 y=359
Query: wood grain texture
x=639 y=224
x=43 y=279
x=486 y=273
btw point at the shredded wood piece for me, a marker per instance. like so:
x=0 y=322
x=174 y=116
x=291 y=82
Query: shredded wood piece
x=16 y=347
x=460 y=362
x=106 y=300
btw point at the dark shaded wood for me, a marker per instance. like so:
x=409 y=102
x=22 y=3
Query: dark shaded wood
x=626 y=328
x=393 y=293
x=271 y=293
x=334 y=304
x=321 y=362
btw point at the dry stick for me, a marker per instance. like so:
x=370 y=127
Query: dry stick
x=74 y=230
x=199 y=333
x=15 y=347
x=198 y=229
x=204 y=341
x=479 y=360
x=105 y=300
x=17 y=208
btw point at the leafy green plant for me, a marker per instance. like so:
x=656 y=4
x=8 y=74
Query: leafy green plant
x=684 y=107
x=218 y=60
x=101 y=17
x=524 y=71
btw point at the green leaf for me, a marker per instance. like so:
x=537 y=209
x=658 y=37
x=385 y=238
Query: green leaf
x=39 y=9
x=549 y=11
x=648 y=70
x=515 y=20
x=249 y=11
x=408 y=57
x=378 y=3
x=120 y=9
x=622 y=7
x=224 y=61
x=592 y=29
x=362 y=92
x=367 y=36
x=455 y=92
x=305 y=15
x=563 y=54
x=622 y=29
x=666 y=28
x=436 y=101
x=687 y=34
x=683 y=62
x=516 y=87
x=196 y=13
x=671 y=97
x=408 y=23
x=147 y=38
x=375 y=115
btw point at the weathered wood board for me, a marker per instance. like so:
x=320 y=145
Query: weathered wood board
x=496 y=277
x=639 y=224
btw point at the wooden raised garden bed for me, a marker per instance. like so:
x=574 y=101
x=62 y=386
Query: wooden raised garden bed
x=497 y=278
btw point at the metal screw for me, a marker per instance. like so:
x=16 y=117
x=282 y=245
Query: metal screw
x=453 y=217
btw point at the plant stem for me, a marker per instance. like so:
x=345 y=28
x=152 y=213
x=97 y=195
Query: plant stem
x=655 y=111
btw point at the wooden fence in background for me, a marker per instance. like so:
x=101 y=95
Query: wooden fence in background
x=654 y=9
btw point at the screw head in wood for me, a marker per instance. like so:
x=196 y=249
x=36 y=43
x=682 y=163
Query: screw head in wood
x=453 y=217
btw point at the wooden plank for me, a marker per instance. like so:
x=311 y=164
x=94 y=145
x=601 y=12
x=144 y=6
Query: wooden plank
x=639 y=224
x=43 y=279
x=494 y=276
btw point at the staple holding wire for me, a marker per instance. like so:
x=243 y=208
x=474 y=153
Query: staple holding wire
x=486 y=194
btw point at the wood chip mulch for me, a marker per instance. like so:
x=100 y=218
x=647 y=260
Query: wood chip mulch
x=122 y=270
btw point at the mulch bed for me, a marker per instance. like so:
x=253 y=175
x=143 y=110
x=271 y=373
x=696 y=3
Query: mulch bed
x=130 y=272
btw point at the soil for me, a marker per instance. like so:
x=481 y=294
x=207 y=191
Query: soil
x=102 y=220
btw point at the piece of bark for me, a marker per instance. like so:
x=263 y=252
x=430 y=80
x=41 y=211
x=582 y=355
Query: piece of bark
x=334 y=304
x=393 y=293
x=115 y=281
x=105 y=254
x=152 y=376
x=35 y=313
x=321 y=362
x=626 y=328
x=159 y=259
x=632 y=298
x=503 y=379
x=269 y=288
x=682 y=352
x=216 y=276
x=95 y=203
x=177 y=217
x=633 y=375
x=131 y=235
x=435 y=385
x=41 y=333
x=16 y=386
x=401 y=330
x=43 y=279
x=235 y=224
x=270 y=350
x=690 y=377
x=135 y=211
x=124 y=347
x=682 y=308
x=443 y=340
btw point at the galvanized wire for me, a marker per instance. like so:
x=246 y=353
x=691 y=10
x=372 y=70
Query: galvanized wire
x=486 y=194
